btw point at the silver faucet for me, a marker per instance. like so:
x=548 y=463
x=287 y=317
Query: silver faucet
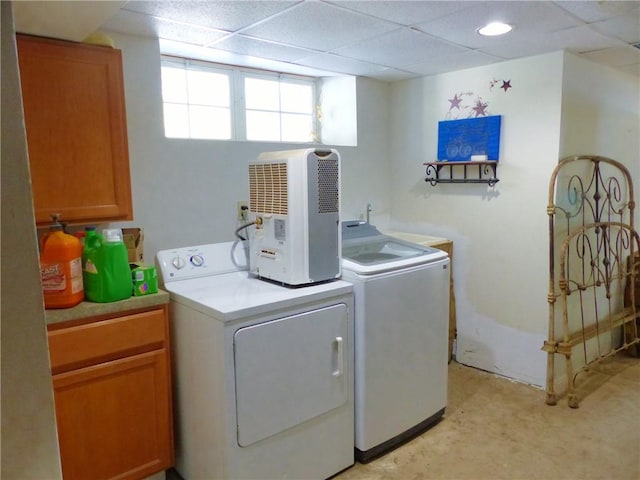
x=369 y=209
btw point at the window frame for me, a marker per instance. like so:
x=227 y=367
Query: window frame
x=237 y=105
x=198 y=65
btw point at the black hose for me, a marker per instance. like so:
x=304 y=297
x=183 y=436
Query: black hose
x=242 y=227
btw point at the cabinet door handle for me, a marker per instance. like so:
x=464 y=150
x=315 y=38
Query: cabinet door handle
x=339 y=352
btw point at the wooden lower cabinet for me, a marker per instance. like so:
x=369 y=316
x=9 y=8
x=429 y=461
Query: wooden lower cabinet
x=447 y=246
x=114 y=415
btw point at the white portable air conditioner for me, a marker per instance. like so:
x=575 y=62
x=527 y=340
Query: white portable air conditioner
x=294 y=197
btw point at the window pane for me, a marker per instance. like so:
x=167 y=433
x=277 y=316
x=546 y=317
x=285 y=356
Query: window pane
x=197 y=103
x=261 y=94
x=210 y=122
x=208 y=88
x=297 y=128
x=263 y=126
x=176 y=121
x=296 y=98
x=174 y=85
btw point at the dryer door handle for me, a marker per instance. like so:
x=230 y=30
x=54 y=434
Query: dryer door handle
x=338 y=348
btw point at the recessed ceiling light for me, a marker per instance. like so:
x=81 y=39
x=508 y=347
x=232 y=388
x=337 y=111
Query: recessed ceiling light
x=495 y=28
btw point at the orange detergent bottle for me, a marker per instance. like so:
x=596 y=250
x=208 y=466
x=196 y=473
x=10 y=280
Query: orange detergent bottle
x=61 y=269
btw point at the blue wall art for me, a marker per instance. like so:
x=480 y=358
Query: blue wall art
x=458 y=140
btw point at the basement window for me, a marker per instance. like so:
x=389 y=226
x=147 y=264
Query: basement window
x=204 y=100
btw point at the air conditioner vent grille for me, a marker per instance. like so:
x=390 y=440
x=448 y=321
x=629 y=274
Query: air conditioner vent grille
x=328 y=186
x=268 y=188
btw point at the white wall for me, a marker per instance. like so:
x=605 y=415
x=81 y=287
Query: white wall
x=499 y=233
x=558 y=105
x=185 y=191
x=601 y=115
x=339 y=124
x=29 y=439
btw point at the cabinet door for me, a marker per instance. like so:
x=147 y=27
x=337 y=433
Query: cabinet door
x=73 y=96
x=114 y=418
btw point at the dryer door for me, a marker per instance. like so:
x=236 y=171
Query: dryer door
x=289 y=371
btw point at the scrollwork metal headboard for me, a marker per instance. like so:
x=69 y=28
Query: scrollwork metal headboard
x=592 y=239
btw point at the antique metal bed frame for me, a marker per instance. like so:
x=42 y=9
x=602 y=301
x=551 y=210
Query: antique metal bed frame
x=593 y=295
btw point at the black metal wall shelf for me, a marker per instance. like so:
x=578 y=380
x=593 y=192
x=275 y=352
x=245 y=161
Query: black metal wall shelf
x=487 y=172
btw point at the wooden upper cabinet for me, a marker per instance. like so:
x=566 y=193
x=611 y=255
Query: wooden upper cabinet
x=74 y=108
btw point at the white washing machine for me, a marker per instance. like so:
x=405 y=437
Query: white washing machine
x=263 y=374
x=401 y=295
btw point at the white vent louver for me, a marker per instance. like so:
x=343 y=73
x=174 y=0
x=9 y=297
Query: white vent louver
x=268 y=188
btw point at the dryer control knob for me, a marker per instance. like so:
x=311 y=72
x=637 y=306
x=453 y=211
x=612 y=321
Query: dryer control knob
x=197 y=260
x=178 y=262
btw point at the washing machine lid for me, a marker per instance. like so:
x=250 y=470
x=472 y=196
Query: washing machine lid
x=366 y=251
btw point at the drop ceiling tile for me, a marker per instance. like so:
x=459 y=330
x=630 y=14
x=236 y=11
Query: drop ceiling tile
x=591 y=11
x=400 y=47
x=224 y=15
x=145 y=25
x=632 y=69
x=519 y=49
x=452 y=63
x=51 y=19
x=338 y=64
x=579 y=39
x=372 y=32
x=615 y=57
x=131 y=23
x=625 y=28
x=261 y=48
x=531 y=21
x=179 y=49
x=393 y=75
x=319 y=26
x=403 y=12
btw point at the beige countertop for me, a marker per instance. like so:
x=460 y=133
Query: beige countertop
x=421 y=239
x=92 y=309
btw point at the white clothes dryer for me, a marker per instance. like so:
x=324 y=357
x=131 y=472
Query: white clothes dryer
x=263 y=374
x=401 y=295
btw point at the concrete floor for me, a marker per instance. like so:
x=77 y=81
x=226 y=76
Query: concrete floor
x=497 y=429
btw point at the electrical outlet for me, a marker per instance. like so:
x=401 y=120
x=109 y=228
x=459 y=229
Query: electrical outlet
x=243 y=211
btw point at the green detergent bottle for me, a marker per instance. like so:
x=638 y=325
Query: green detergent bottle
x=105 y=266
